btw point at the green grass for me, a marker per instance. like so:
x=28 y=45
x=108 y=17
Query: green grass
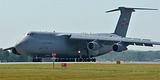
x=81 y=71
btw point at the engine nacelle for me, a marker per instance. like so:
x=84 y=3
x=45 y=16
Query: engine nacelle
x=93 y=45
x=14 y=51
x=117 y=47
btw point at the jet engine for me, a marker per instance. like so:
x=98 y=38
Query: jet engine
x=93 y=45
x=119 y=47
x=14 y=51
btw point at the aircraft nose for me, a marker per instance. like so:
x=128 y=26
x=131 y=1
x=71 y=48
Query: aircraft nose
x=21 y=46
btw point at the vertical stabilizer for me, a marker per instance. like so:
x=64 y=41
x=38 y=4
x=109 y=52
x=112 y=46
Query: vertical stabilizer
x=124 y=19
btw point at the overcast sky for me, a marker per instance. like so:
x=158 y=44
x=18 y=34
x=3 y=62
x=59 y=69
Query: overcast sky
x=20 y=16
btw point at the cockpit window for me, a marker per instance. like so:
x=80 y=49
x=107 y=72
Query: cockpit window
x=29 y=34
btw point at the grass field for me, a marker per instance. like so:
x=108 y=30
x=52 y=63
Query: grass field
x=80 y=71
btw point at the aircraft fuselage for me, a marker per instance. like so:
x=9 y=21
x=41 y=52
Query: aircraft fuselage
x=40 y=44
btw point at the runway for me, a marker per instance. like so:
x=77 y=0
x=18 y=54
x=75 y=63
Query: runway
x=108 y=62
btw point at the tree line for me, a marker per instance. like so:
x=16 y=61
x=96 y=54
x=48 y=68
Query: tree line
x=6 y=56
x=131 y=56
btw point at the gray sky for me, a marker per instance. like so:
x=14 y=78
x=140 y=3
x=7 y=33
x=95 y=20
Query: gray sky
x=20 y=16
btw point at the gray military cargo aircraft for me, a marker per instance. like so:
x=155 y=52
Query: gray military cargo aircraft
x=79 y=46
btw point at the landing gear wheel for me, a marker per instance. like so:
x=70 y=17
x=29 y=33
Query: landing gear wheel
x=37 y=60
x=85 y=59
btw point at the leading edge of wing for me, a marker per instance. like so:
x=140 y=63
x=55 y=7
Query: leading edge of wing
x=111 y=39
x=8 y=48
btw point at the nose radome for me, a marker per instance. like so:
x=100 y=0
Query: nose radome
x=21 y=46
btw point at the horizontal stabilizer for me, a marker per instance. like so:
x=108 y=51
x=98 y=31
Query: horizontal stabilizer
x=132 y=9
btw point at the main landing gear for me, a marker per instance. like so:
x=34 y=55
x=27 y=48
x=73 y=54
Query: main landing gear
x=75 y=60
x=37 y=60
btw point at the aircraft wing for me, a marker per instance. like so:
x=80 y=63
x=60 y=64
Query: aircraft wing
x=112 y=40
x=8 y=48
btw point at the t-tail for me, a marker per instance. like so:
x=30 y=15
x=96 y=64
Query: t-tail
x=124 y=19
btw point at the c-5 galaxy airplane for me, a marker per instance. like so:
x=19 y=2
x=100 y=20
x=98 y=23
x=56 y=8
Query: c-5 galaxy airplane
x=79 y=46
